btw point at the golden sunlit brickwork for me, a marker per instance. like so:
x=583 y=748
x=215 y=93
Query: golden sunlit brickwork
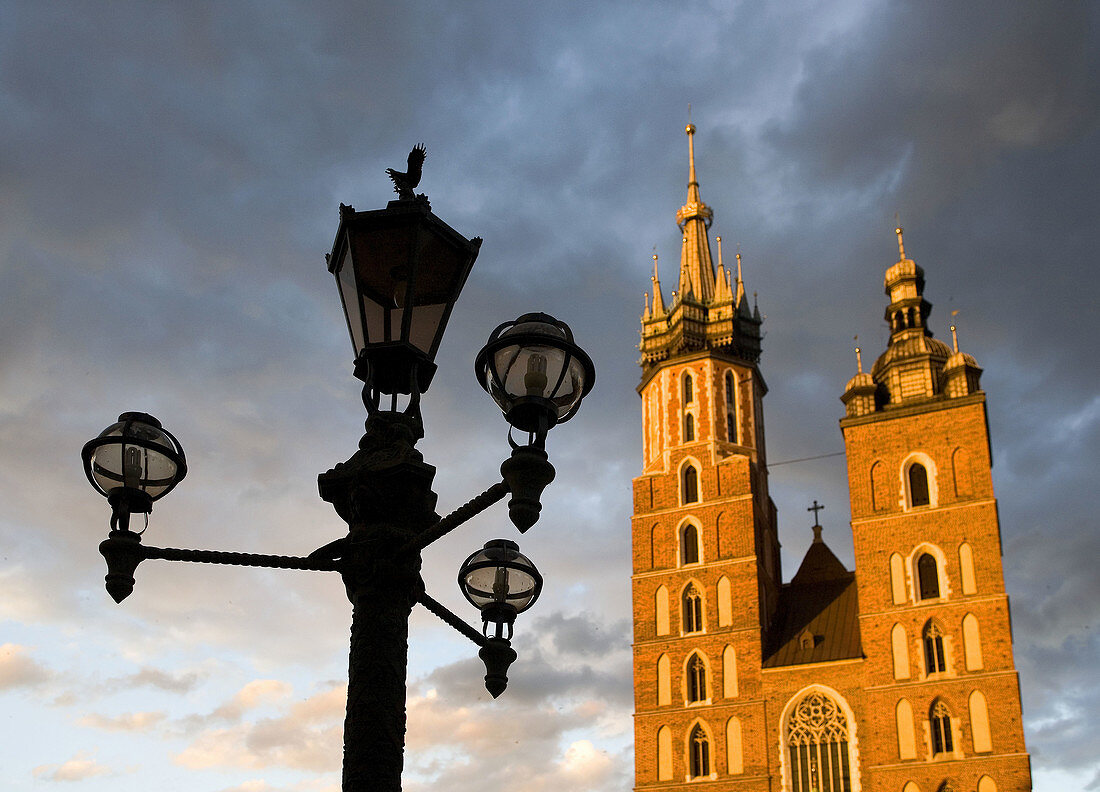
x=897 y=676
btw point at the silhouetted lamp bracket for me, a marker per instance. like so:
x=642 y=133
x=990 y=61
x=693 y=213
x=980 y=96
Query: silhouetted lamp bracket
x=132 y=463
x=399 y=271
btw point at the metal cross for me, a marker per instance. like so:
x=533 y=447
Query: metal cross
x=815 y=509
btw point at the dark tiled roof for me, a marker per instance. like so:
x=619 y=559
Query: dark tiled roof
x=817 y=620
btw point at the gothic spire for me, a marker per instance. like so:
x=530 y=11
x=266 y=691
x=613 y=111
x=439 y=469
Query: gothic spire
x=658 y=300
x=694 y=218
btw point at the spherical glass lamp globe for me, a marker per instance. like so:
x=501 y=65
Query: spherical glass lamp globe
x=501 y=582
x=535 y=372
x=135 y=461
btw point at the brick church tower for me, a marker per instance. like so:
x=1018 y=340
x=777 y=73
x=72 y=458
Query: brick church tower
x=896 y=676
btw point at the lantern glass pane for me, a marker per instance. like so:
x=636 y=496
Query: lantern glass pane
x=425 y=324
x=536 y=370
x=349 y=295
x=141 y=467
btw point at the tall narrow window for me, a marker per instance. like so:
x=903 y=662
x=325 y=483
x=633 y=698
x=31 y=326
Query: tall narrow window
x=689 y=390
x=690 y=484
x=729 y=672
x=664 y=681
x=735 y=763
x=731 y=427
x=689 y=428
x=692 y=610
x=928 y=577
x=897 y=579
x=689 y=544
x=661 y=610
x=934 y=660
x=966 y=569
x=696 y=680
x=979 y=723
x=918 y=485
x=725 y=602
x=664 y=754
x=729 y=389
x=817 y=745
x=907 y=740
x=939 y=721
x=972 y=643
x=698 y=753
x=899 y=645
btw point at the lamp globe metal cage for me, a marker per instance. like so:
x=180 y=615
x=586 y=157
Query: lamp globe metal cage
x=501 y=582
x=134 y=462
x=535 y=372
x=399 y=271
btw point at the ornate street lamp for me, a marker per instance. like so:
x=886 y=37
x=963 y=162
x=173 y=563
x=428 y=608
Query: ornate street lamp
x=399 y=272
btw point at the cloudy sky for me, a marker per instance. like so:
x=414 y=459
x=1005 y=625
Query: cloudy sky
x=169 y=183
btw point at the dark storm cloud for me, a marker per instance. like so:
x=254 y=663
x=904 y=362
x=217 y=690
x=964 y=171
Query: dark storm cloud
x=169 y=177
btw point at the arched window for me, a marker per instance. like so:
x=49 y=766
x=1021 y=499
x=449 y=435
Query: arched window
x=664 y=754
x=899 y=645
x=939 y=721
x=966 y=569
x=689 y=428
x=692 y=610
x=918 y=485
x=689 y=544
x=729 y=389
x=725 y=602
x=735 y=764
x=689 y=390
x=897 y=579
x=731 y=427
x=661 y=610
x=817 y=745
x=979 y=723
x=696 y=683
x=928 y=577
x=935 y=662
x=690 y=484
x=907 y=740
x=698 y=753
x=664 y=681
x=987 y=784
x=972 y=643
x=729 y=672
x=880 y=487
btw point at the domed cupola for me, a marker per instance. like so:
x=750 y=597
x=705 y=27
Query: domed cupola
x=961 y=373
x=911 y=367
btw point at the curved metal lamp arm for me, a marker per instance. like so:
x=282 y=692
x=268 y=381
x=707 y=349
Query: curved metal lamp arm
x=460 y=515
x=123 y=551
x=445 y=614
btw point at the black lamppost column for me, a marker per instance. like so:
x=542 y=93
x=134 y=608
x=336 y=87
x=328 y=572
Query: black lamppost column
x=399 y=272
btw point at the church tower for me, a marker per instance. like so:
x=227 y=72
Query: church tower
x=934 y=616
x=706 y=569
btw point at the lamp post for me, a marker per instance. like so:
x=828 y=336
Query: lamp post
x=399 y=271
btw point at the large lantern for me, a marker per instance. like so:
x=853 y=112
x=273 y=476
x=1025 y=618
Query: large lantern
x=535 y=372
x=399 y=271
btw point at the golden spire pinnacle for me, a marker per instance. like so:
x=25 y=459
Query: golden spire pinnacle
x=658 y=300
x=690 y=129
x=859 y=359
x=901 y=242
x=954 y=335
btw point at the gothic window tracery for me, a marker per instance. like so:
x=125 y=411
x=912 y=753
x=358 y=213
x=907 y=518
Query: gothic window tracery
x=692 y=610
x=940 y=724
x=817 y=745
x=696 y=680
x=935 y=662
x=698 y=753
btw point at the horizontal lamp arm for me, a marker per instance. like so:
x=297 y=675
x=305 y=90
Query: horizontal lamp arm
x=460 y=515
x=241 y=559
x=443 y=613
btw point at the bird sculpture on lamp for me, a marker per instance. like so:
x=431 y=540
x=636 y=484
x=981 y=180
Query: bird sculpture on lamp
x=405 y=183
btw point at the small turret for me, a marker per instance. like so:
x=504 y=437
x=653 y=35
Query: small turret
x=961 y=373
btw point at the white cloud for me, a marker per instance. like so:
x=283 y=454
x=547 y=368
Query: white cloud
x=18 y=670
x=80 y=768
